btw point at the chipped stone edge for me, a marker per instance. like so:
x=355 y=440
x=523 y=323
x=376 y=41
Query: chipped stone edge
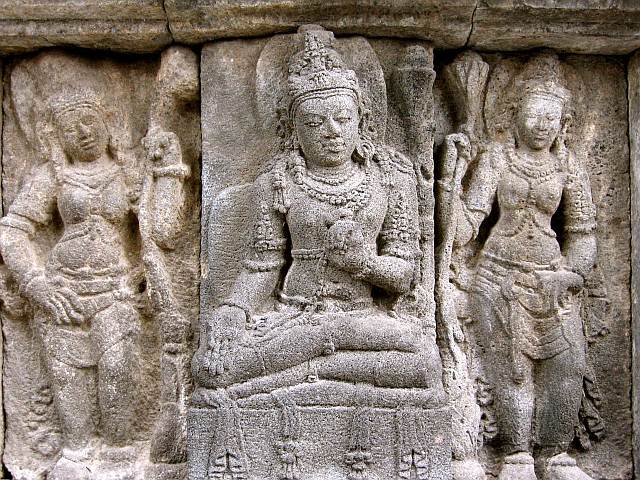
x=1 y=214
x=477 y=25
x=633 y=86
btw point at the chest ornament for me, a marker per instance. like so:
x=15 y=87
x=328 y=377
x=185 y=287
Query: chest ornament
x=532 y=172
x=352 y=192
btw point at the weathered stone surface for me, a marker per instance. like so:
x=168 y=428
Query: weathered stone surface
x=339 y=409
x=476 y=96
x=326 y=434
x=1 y=212
x=129 y=25
x=591 y=26
x=634 y=138
x=99 y=281
x=580 y=26
x=445 y=23
x=300 y=344
x=598 y=136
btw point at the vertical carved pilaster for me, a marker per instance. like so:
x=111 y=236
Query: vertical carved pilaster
x=634 y=140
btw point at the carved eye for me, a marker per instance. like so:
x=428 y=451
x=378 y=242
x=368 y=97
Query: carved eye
x=313 y=123
x=343 y=119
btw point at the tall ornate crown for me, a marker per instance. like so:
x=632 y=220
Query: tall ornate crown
x=66 y=102
x=542 y=77
x=318 y=70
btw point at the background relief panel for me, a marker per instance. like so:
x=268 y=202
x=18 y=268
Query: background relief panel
x=100 y=275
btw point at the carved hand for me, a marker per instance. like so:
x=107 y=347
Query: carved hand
x=558 y=283
x=346 y=246
x=61 y=303
x=223 y=328
x=162 y=147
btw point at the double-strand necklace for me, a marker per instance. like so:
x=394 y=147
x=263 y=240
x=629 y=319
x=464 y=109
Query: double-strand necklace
x=350 y=190
x=534 y=172
x=92 y=180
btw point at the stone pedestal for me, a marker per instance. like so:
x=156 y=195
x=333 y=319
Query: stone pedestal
x=256 y=440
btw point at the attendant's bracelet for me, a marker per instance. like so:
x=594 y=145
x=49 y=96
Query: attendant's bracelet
x=179 y=170
x=28 y=278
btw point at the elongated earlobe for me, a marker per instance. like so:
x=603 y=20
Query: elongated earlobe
x=364 y=151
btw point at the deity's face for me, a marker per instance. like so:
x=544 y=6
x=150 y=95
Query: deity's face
x=83 y=134
x=539 y=121
x=327 y=129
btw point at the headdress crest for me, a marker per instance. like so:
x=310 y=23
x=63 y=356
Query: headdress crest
x=65 y=102
x=318 y=70
x=542 y=76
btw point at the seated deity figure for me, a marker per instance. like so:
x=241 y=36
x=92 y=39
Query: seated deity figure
x=334 y=255
x=83 y=294
x=525 y=294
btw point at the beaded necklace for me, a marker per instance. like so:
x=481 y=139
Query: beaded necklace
x=352 y=192
x=533 y=173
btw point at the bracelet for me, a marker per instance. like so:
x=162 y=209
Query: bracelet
x=244 y=308
x=179 y=170
x=19 y=223
x=29 y=277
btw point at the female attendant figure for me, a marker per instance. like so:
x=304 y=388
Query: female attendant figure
x=82 y=294
x=345 y=212
x=525 y=293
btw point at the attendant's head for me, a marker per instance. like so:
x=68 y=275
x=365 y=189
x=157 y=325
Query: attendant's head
x=79 y=124
x=542 y=110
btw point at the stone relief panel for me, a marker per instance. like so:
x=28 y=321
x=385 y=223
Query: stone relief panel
x=521 y=274
x=100 y=275
x=317 y=354
x=413 y=265
x=533 y=219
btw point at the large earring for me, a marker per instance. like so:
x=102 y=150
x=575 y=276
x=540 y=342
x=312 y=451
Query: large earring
x=295 y=143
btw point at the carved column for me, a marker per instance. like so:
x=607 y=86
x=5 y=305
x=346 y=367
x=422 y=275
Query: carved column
x=634 y=141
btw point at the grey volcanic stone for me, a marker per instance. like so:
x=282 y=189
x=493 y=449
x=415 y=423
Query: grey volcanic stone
x=580 y=26
x=299 y=373
x=122 y=25
x=634 y=138
x=598 y=136
x=104 y=392
x=446 y=23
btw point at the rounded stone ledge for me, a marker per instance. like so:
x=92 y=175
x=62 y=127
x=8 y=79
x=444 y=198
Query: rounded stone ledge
x=606 y=27
x=136 y=26
x=579 y=26
x=446 y=23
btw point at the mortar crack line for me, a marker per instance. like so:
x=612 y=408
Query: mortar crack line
x=473 y=23
x=166 y=17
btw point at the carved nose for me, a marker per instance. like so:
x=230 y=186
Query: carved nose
x=84 y=130
x=333 y=129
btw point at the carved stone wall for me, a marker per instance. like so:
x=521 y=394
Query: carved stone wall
x=319 y=240
x=634 y=92
x=133 y=100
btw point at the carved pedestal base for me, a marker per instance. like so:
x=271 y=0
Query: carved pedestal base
x=290 y=440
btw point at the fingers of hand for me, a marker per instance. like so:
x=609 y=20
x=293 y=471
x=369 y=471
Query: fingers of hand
x=58 y=312
x=71 y=303
x=213 y=364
